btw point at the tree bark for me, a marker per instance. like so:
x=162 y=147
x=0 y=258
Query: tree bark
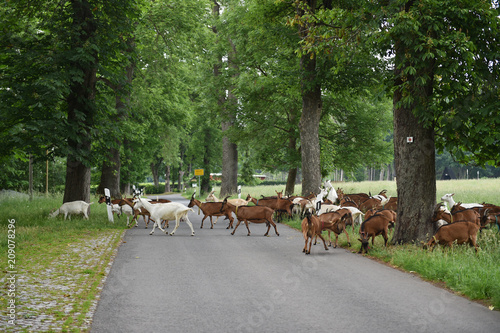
x=311 y=114
x=81 y=104
x=110 y=175
x=414 y=161
x=309 y=128
x=229 y=184
x=290 y=181
x=167 y=179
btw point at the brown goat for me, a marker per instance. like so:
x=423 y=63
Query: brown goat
x=335 y=222
x=392 y=204
x=358 y=198
x=311 y=227
x=255 y=214
x=211 y=209
x=390 y=214
x=372 y=203
x=461 y=231
x=491 y=215
x=372 y=227
x=456 y=215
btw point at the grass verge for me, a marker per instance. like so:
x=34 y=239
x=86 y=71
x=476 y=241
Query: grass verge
x=60 y=265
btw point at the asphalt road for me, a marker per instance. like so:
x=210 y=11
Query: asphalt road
x=216 y=282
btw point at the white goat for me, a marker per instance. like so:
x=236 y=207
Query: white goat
x=332 y=193
x=72 y=207
x=326 y=208
x=448 y=198
x=125 y=209
x=357 y=215
x=166 y=211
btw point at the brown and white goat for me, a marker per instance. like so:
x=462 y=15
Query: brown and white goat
x=211 y=209
x=461 y=232
x=372 y=227
x=254 y=214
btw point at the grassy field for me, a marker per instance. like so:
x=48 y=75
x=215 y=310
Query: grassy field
x=460 y=269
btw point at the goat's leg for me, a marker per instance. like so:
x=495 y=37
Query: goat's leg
x=154 y=227
x=246 y=223
x=203 y=219
x=186 y=219
x=268 y=228
x=237 y=224
x=347 y=236
x=310 y=243
x=275 y=230
x=177 y=222
x=324 y=243
x=230 y=225
x=211 y=223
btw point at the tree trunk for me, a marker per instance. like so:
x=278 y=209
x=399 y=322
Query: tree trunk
x=155 y=172
x=414 y=162
x=81 y=104
x=229 y=184
x=167 y=179
x=290 y=181
x=110 y=175
x=309 y=121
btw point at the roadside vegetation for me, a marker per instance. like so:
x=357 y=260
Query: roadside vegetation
x=60 y=265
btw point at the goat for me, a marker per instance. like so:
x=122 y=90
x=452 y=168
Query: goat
x=441 y=216
x=373 y=203
x=392 y=204
x=210 y=209
x=335 y=222
x=390 y=214
x=460 y=231
x=491 y=215
x=73 y=207
x=284 y=205
x=139 y=211
x=311 y=227
x=372 y=227
x=255 y=214
x=358 y=198
x=332 y=194
x=166 y=211
x=448 y=198
x=346 y=201
x=357 y=215
x=237 y=202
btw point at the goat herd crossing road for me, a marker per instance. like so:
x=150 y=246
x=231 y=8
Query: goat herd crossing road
x=216 y=282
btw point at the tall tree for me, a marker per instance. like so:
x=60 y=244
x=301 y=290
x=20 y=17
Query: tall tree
x=311 y=107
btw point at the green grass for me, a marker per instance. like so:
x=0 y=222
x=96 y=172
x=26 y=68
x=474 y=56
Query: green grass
x=476 y=276
x=52 y=252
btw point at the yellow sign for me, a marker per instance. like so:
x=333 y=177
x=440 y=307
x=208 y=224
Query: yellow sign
x=198 y=172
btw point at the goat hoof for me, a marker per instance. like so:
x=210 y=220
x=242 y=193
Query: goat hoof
x=211 y=227
x=232 y=233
